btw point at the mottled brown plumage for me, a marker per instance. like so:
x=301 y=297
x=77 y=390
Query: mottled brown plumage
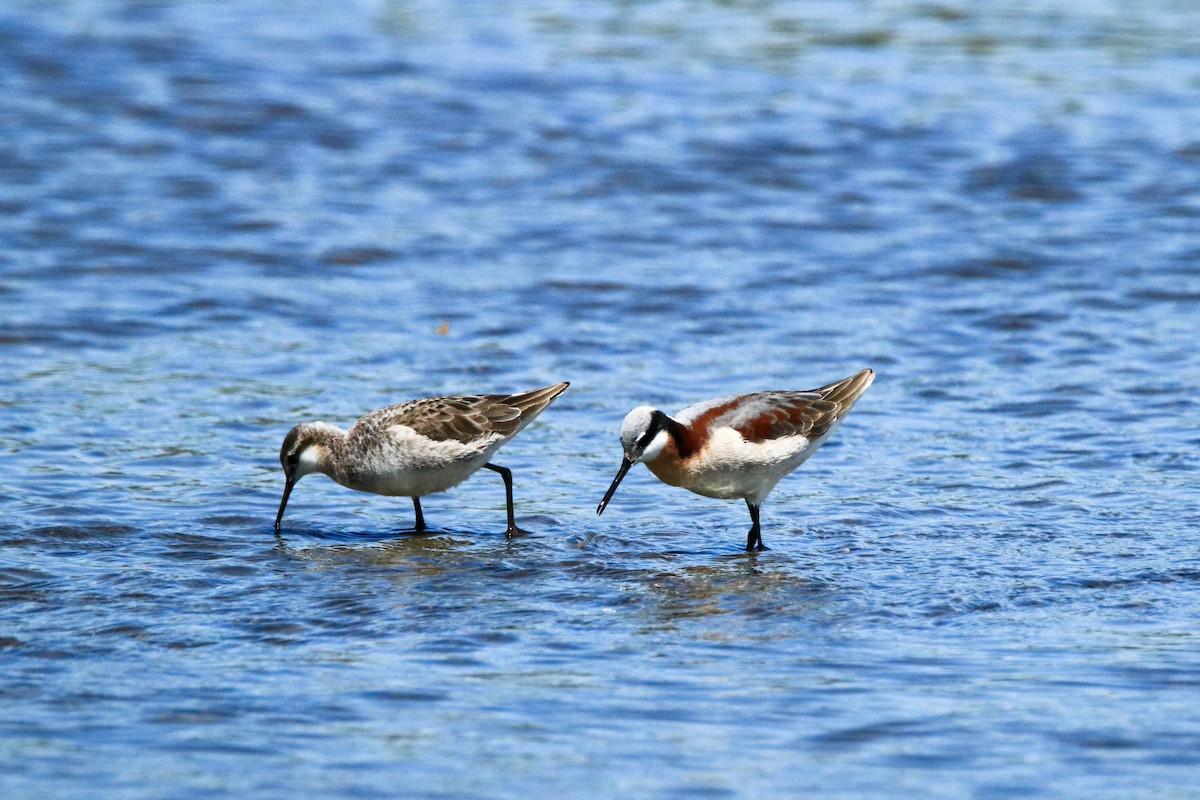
x=415 y=448
x=462 y=418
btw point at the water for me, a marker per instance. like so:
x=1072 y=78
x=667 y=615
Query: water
x=219 y=219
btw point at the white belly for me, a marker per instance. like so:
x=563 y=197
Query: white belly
x=414 y=483
x=730 y=467
x=409 y=465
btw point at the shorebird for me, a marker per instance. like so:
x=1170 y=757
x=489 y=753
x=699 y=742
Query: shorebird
x=738 y=446
x=416 y=448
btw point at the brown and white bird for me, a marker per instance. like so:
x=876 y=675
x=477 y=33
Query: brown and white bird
x=416 y=448
x=739 y=446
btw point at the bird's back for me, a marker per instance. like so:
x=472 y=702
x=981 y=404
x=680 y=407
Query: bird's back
x=763 y=416
x=461 y=418
x=429 y=444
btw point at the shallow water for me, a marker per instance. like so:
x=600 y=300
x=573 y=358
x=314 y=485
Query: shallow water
x=218 y=219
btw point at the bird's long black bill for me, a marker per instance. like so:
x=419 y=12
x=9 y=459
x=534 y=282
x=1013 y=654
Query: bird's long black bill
x=625 y=465
x=287 y=490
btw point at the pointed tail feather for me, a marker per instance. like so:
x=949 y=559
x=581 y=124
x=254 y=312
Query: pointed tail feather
x=847 y=391
x=533 y=402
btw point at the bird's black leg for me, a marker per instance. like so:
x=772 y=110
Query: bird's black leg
x=419 y=525
x=754 y=537
x=506 y=474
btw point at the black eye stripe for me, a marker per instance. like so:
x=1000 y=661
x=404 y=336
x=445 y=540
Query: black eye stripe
x=656 y=425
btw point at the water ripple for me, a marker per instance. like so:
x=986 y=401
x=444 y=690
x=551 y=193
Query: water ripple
x=215 y=225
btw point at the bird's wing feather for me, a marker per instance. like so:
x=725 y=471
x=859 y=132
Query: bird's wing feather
x=771 y=415
x=464 y=418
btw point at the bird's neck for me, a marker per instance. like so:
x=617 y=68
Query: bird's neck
x=329 y=444
x=669 y=466
x=681 y=441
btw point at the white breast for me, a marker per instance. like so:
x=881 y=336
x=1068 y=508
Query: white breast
x=731 y=467
x=406 y=463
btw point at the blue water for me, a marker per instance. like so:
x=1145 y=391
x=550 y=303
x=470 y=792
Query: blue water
x=218 y=219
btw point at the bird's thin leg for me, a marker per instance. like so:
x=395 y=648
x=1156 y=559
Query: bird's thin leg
x=419 y=525
x=754 y=537
x=506 y=474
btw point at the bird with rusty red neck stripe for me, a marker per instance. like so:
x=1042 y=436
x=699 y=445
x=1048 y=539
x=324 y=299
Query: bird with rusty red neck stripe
x=736 y=447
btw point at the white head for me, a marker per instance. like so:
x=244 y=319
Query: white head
x=644 y=434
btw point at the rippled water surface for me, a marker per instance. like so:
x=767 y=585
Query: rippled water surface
x=220 y=218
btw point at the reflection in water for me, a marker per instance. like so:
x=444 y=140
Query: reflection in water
x=733 y=585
